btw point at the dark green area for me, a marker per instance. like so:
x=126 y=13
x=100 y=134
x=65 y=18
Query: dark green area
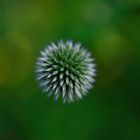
x=110 y=29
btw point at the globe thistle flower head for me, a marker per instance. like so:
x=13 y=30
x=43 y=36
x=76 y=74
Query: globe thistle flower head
x=65 y=70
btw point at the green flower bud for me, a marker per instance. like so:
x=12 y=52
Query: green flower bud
x=65 y=70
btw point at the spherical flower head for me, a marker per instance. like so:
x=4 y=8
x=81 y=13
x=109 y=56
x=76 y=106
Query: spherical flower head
x=65 y=70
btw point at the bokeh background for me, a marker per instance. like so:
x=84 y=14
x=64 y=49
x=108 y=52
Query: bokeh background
x=110 y=29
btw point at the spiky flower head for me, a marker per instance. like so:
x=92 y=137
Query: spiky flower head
x=65 y=70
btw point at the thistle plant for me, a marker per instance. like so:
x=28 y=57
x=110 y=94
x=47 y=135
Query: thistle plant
x=65 y=70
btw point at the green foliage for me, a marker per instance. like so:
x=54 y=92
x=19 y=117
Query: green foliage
x=110 y=30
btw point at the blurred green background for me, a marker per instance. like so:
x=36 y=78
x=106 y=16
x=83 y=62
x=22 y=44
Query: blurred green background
x=110 y=29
